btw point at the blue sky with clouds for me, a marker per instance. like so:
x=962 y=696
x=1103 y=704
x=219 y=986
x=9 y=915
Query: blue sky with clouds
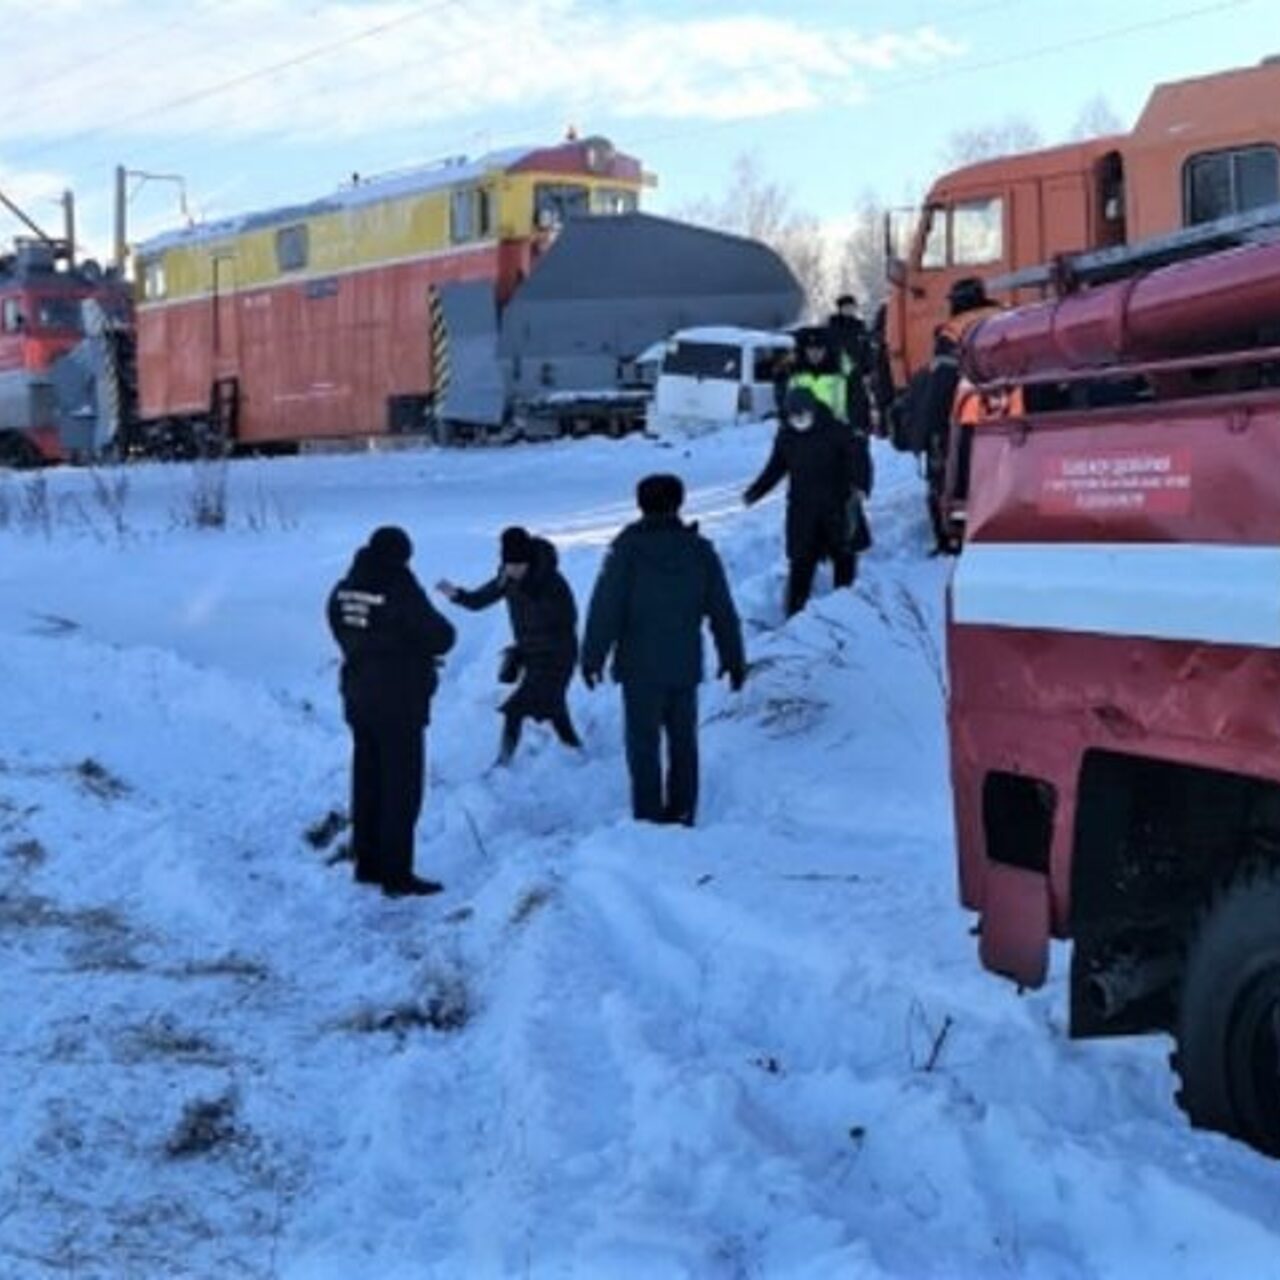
x=263 y=102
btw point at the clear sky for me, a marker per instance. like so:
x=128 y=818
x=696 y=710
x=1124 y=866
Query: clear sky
x=263 y=102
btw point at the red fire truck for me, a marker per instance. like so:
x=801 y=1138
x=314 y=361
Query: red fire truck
x=1114 y=657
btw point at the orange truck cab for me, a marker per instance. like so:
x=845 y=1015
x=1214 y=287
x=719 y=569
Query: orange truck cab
x=1202 y=149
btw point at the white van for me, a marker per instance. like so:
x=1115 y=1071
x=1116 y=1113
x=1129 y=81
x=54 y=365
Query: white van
x=717 y=376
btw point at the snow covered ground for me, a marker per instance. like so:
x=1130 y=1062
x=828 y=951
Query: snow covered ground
x=761 y=1048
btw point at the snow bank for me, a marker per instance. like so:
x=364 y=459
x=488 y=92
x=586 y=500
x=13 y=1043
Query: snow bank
x=760 y=1048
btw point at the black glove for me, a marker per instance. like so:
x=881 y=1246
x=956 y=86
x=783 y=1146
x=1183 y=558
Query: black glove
x=737 y=677
x=591 y=676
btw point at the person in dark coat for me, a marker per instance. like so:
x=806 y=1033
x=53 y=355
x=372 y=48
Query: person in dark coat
x=815 y=454
x=850 y=338
x=392 y=641
x=544 y=627
x=660 y=581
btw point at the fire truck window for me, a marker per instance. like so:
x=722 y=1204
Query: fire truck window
x=1222 y=183
x=291 y=248
x=977 y=232
x=704 y=360
x=934 y=253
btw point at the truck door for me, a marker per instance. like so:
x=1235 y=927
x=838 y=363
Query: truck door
x=226 y=320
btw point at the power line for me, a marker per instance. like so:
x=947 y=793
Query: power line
x=237 y=82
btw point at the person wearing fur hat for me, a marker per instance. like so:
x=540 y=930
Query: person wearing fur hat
x=817 y=457
x=544 y=627
x=660 y=581
x=392 y=641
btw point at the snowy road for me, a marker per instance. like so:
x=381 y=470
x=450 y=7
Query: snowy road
x=763 y=1048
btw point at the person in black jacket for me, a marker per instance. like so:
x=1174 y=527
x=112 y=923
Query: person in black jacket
x=544 y=626
x=659 y=582
x=850 y=338
x=822 y=463
x=391 y=640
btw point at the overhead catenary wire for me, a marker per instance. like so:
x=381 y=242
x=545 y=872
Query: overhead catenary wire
x=248 y=77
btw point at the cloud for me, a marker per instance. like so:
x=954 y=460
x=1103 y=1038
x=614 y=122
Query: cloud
x=242 y=68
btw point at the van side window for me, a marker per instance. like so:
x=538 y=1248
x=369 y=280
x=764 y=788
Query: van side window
x=1217 y=184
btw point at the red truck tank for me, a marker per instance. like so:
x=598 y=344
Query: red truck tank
x=1114 y=656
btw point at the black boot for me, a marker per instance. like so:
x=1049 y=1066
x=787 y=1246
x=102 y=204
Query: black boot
x=411 y=887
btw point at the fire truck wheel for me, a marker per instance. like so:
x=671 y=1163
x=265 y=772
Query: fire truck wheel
x=1229 y=1014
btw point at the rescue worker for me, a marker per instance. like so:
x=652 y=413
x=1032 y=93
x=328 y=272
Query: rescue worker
x=660 y=580
x=969 y=304
x=544 y=629
x=849 y=336
x=814 y=453
x=392 y=641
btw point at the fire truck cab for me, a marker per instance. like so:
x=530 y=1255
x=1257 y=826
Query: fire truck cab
x=1113 y=632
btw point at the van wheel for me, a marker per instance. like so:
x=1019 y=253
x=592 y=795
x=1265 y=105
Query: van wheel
x=1229 y=1014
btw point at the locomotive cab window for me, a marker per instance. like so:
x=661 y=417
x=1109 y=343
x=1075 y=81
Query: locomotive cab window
x=292 y=248
x=553 y=202
x=614 y=200
x=1219 y=184
x=933 y=251
x=470 y=215
x=58 y=315
x=11 y=316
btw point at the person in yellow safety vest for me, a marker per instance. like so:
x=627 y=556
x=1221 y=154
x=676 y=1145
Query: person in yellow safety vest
x=821 y=370
x=969 y=304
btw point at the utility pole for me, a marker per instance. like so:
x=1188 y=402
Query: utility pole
x=122 y=213
x=69 y=227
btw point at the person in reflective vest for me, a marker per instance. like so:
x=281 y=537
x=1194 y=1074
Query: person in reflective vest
x=822 y=371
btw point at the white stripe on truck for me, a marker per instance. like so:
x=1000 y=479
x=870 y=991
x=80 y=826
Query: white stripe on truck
x=1204 y=592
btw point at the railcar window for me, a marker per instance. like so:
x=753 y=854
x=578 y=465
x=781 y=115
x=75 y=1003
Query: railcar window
x=470 y=214
x=704 y=360
x=1221 y=183
x=553 y=202
x=977 y=232
x=934 y=252
x=292 y=248
x=153 y=282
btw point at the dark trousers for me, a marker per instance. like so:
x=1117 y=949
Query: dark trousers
x=653 y=713
x=513 y=723
x=386 y=799
x=800 y=580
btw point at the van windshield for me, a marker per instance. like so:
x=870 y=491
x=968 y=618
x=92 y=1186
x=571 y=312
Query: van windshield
x=704 y=360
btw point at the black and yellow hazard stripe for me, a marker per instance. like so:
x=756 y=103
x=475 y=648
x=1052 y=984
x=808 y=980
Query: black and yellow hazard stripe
x=439 y=347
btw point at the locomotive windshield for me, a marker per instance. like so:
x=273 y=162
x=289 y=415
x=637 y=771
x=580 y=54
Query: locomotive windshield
x=553 y=202
x=56 y=315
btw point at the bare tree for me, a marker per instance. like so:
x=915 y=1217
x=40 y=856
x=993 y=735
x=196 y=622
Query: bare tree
x=1097 y=119
x=861 y=255
x=756 y=206
x=1000 y=138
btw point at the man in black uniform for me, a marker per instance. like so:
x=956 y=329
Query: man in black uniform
x=391 y=640
x=826 y=469
x=544 y=626
x=660 y=580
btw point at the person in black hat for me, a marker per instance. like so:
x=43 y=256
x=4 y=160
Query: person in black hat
x=660 y=581
x=818 y=458
x=392 y=641
x=544 y=626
